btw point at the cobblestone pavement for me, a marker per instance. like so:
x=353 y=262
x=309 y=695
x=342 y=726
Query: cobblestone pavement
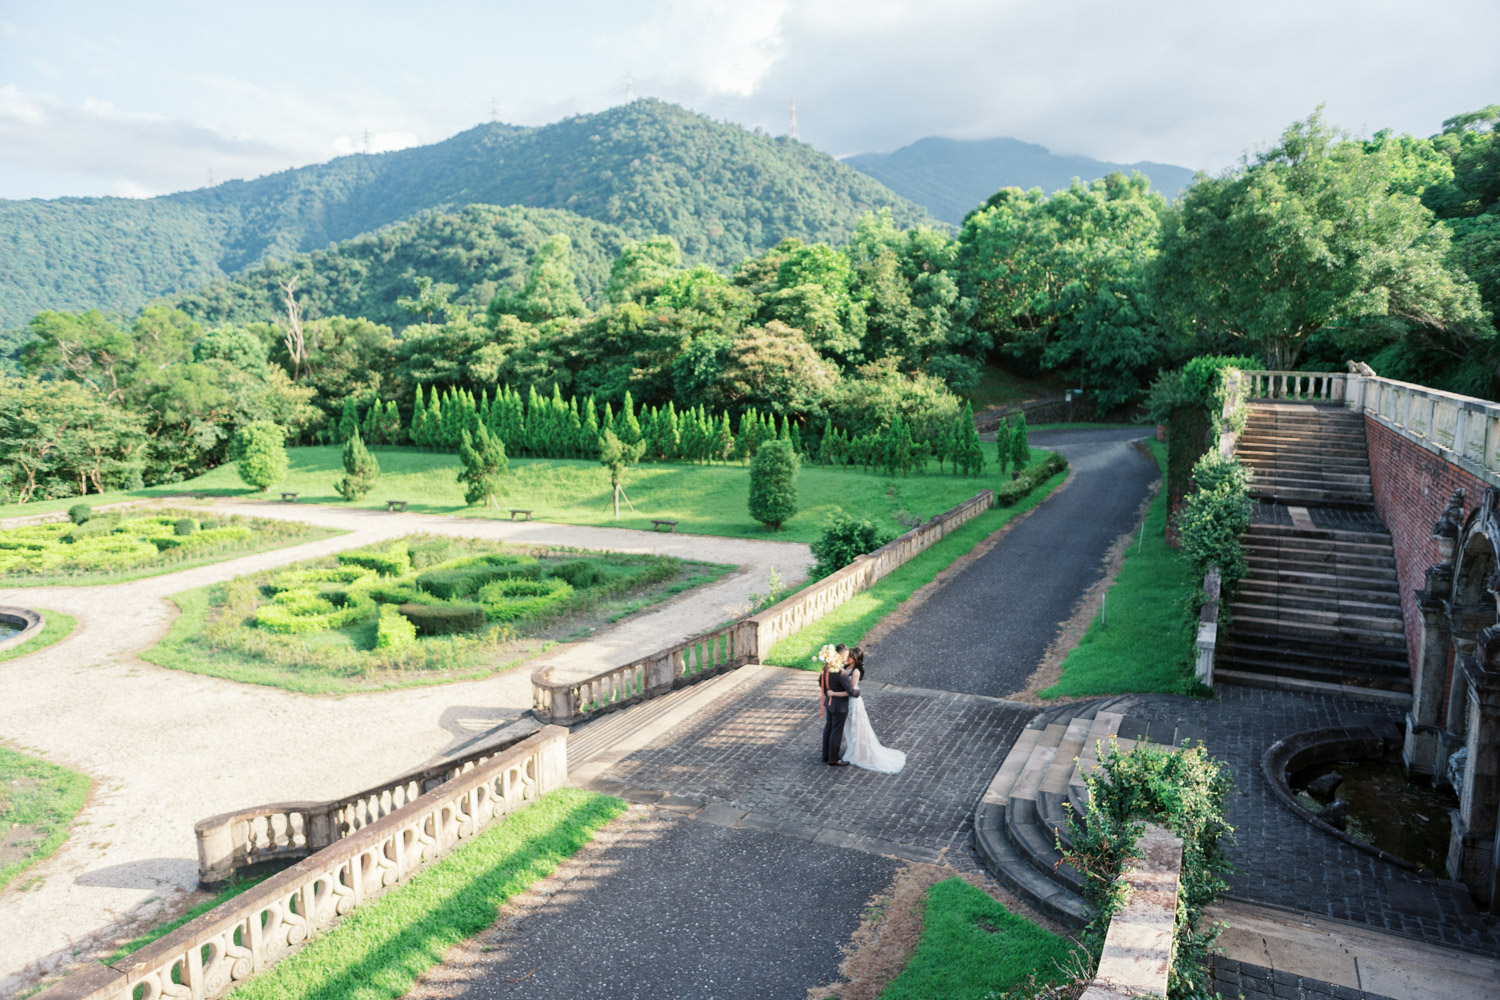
x=1262 y=512
x=1284 y=862
x=1346 y=520
x=757 y=757
x=986 y=630
x=675 y=907
x=1252 y=982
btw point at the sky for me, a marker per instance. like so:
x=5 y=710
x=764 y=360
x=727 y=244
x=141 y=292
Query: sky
x=144 y=98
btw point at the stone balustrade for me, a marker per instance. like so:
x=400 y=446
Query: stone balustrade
x=1307 y=387
x=1138 y=945
x=565 y=703
x=209 y=955
x=1208 y=627
x=1459 y=429
x=283 y=831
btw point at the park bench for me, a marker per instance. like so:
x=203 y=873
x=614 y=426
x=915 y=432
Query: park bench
x=514 y=511
x=288 y=498
x=656 y=525
x=395 y=505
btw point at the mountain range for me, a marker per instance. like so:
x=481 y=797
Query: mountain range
x=950 y=177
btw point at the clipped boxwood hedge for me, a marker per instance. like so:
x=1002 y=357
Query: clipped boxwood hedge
x=515 y=600
x=392 y=561
x=444 y=619
x=581 y=573
x=1029 y=479
x=393 y=630
x=465 y=577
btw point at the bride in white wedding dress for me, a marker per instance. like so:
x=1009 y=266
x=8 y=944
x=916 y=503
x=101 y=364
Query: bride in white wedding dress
x=861 y=748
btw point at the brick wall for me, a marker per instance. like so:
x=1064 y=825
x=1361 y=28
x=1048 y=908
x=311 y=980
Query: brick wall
x=1412 y=486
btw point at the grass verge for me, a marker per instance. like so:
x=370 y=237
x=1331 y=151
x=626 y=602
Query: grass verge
x=972 y=945
x=38 y=801
x=56 y=627
x=168 y=926
x=378 y=951
x=854 y=619
x=1142 y=646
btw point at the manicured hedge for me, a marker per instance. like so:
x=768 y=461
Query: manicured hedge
x=464 y=577
x=393 y=561
x=581 y=573
x=393 y=630
x=515 y=600
x=444 y=619
x=1029 y=479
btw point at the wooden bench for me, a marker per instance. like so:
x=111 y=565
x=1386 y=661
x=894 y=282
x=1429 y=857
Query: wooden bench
x=288 y=498
x=514 y=511
x=395 y=505
x=656 y=525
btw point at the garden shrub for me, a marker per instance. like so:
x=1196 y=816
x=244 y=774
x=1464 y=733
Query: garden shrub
x=1186 y=791
x=91 y=528
x=517 y=599
x=392 y=561
x=300 y=612
x=464 y=577
x=260 y=450
x=844 y=539
x=305 y=578
x=1029 y=479
x=1214 y=516
x=428 y=552
x=79 y=513
x=444 y=619
x=184 y=526
x=580 y=573
x=773 y=484
x=393 y=630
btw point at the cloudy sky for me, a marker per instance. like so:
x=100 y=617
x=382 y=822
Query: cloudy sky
x=155 y=96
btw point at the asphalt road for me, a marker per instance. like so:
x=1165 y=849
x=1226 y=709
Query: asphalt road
x=985 y=630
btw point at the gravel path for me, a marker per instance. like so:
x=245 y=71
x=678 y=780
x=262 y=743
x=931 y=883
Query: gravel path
x=144 y=734
x=986 y=629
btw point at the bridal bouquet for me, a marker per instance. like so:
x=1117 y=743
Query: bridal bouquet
x=829 y=657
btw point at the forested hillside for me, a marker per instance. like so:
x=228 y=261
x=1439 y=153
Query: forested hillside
x=721 y=191
x=952 y=177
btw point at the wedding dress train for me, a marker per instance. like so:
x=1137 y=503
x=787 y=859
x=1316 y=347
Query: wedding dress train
x=862 y=749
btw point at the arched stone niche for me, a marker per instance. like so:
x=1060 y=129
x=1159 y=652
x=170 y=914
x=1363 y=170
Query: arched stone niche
x=1457 y=737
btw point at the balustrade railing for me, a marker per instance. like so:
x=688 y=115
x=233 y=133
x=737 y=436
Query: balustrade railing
x=566 y=703
x=1310 y=387
x=1462 y=429
x=211 y=954
x=288 y=831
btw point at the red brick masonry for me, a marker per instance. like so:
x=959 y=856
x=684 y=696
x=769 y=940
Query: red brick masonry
x=1412 y=486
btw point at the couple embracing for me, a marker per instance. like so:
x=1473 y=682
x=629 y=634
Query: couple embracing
x=844 y=714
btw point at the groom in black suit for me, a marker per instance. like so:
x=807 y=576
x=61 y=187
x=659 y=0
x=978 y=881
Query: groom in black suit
x=838 y=688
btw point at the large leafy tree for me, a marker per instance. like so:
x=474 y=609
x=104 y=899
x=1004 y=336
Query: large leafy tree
x=551 y=289
x=1309 y=236
x=64 y=439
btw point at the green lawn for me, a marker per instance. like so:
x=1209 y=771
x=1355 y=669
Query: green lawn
x=1143 y=645
x=56 y=627
x=38 y=801
x=998 y=387
x=703 y=499
x=166 y=927
x=972 y=945
x=378 y=951
x=853 y=620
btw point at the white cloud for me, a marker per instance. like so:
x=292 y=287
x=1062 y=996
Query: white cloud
x=718 y=46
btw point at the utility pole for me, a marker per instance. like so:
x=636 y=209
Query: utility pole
x=629 y=87
x=793 y=132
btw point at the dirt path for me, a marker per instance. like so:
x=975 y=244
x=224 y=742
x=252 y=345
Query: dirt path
x=167 y=748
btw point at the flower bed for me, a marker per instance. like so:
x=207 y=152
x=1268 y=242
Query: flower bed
x=108 y=545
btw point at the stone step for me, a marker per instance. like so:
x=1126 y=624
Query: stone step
x=1287 y=630
x=1360 y=674
x=1306 y=591
x=1313 y=498
x=1248 y=608
x=1379 y=545
x=1340 y=535
x=1387 y=605
x=1316 y=442
x=1263 y=483
x=1307 y=555
x=1325 y=574
x=1353 y=689
x=1049 y=896
x=1273 y=645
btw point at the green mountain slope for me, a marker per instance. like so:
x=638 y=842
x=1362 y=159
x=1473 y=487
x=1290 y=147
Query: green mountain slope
x=950 y=177
x=648 y=167
x=477 y=249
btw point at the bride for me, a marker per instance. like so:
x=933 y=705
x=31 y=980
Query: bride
x=862 y=749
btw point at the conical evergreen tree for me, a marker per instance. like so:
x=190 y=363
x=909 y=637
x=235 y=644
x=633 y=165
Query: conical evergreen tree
x=418 y=430
x=628 y=428
x=360 y=468
x=484 y=462
x=723 y=440
x=1020 y=447
x=588 y=446
x=434 y=427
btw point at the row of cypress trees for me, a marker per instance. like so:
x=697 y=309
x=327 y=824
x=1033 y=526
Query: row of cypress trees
x=543 y=426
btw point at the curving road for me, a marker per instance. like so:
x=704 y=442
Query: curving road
x=986 y=629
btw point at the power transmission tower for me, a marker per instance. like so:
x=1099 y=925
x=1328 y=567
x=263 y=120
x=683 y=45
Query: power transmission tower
x=210 y=176
x=367 y=142
x=793 y=132
x=629 y=87
x=494 y=110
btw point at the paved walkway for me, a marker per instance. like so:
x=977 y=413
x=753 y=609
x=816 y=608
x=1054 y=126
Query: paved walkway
x=986 y=629
x=143 y=732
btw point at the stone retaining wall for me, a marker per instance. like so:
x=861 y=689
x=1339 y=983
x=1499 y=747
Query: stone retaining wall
x=1137 y=952
x=209 y=955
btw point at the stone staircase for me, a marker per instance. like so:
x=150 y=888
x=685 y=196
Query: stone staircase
x=1023 y=814
x=1307 y=455
x=1321 y=607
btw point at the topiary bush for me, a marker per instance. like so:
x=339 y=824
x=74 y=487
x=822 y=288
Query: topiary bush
x=79 y=513
x=392 y=561
x=184 y=526
x=844 y=539
x=773 y=484
x=393 y=630
x=463 y=577
x=444 y=619
x=428 y=552
x=517 y=599
x=580 y=573
x=260 y=450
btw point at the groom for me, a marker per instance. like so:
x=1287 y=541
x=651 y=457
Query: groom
x=838 y=688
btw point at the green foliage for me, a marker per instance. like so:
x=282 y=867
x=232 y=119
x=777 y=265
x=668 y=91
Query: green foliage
x=466 y=576
x=1214 y=516
x=393 y=630
x=521 y=599
x=1020 y=445
x=1013 y=491
x=360 y=468
x=394 y=560
x=79 y=513
x=773 y=484
x=844 y=538
x=261 y=447
x=617 y=456
x=579 y=573
x=1186 y=791
x=484 y=462
x=56 y=626
x=184 y=526
x=444 y=619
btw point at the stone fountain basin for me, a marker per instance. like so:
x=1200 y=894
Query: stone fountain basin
x=28 y=621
